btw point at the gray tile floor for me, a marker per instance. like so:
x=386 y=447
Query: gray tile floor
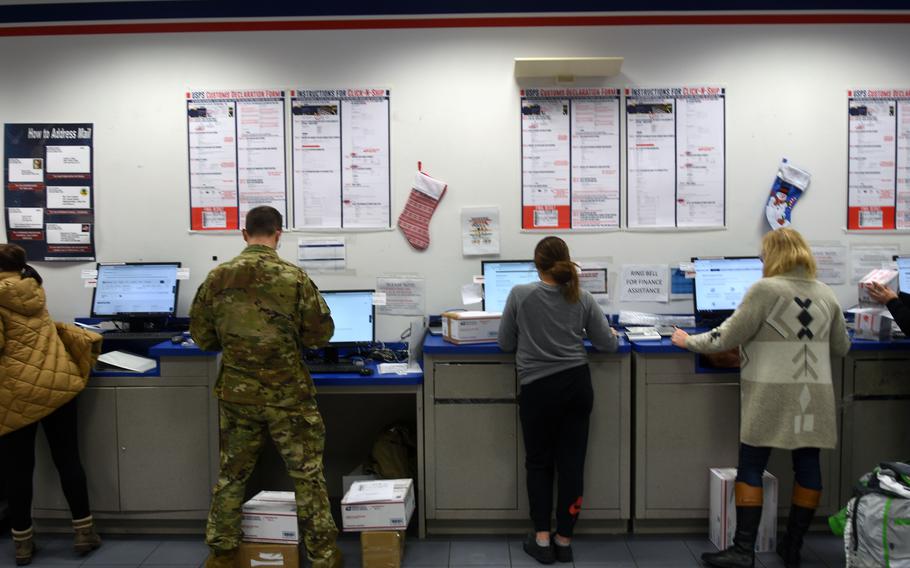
x=489 y=552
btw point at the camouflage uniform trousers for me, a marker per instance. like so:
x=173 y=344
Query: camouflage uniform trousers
x=299 y=436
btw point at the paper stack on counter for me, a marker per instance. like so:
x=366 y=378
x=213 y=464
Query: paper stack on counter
x=127 y=361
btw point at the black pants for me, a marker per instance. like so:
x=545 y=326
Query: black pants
x=753 y=460
x=18 y=448
x=555 y=413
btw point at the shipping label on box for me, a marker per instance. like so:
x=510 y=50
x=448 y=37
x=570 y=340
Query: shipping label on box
x=722 y=515
x=270 y=516
x=255 y=555
x=378 y=505
x=470 y=327
x=872 y=323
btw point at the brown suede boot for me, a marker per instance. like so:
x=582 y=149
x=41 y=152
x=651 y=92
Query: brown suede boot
x=86 y=539
x=24 y=543
x=221 y=559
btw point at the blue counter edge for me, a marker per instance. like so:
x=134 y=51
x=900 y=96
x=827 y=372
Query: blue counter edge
x=436 y=344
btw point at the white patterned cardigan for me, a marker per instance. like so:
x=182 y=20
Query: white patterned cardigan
x=788 y=328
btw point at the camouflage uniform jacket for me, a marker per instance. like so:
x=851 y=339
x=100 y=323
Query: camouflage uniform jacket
x=261 y=311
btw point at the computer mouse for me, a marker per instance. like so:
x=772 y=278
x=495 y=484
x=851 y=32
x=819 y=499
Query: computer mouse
x=366 y=371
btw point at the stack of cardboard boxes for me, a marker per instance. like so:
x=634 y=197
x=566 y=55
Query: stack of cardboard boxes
x=380 y=510
x=271 y=536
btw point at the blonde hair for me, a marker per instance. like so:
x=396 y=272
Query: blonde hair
x=785 y=249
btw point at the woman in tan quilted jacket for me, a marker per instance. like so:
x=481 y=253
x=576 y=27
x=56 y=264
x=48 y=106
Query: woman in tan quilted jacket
x=43 y=366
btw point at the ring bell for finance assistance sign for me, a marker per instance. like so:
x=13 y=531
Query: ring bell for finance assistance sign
x=237 y=157
x=48 y=182
x=570 y=161
x=878 y=158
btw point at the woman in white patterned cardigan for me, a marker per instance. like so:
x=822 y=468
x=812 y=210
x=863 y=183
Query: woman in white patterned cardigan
x=788 y=327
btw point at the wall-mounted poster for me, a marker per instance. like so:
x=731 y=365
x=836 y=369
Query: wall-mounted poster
x=878 y=159
x=236 y=155
x=570 y=159
x=675 y=157
x=48 y=181
x=342 y=177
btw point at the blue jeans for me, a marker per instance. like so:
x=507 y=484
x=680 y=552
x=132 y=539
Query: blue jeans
x=806 y=466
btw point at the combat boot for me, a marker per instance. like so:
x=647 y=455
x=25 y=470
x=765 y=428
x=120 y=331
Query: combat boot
x=226 y=559
x=86 y=539
x=24 y=543
x=802 y=511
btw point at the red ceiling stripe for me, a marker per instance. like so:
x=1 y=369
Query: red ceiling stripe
x=458 y=22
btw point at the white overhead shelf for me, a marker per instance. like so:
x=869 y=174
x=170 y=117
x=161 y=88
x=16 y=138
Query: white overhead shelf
x=567 y=68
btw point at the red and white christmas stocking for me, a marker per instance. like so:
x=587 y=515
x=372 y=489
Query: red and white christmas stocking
x=414 y=221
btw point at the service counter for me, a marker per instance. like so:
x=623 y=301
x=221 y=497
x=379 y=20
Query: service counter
x=149 y=442
x=475 y=477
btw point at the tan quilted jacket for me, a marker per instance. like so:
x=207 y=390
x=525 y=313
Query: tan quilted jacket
x=43 y=365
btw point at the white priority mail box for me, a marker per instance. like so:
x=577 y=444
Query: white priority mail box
x=270 y=516
x=356 y=474
x=887 y=277
x=378 y=505
x=872 y=323
x=722 y=519
x=470 y=327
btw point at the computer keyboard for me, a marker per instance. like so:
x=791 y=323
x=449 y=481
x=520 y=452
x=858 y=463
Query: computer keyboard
x=140 y=335
x=335 y=368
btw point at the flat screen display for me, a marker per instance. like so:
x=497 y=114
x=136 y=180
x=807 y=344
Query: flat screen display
x=352 y=312
x=500 y=276
x=721 y=283
x=903 y=270
x=136 y=289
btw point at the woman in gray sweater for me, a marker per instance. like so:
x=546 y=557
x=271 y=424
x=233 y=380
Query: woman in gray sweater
x=544 y=323
x=788 y=327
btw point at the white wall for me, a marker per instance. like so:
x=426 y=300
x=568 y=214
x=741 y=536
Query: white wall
x=455 y=107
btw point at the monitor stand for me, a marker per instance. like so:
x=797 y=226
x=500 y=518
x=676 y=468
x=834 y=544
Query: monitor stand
x=330 y=355
x=138 y=325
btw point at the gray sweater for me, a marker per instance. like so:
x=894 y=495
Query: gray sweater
x=547 y=332
x=788 y=328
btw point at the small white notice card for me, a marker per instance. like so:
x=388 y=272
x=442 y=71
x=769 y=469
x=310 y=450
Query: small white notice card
x=404 y=296
x=480 y=230
x=321 y=255
x=644 y=283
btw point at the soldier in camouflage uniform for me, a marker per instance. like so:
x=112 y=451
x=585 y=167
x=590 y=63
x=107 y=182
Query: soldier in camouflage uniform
x=260 y=312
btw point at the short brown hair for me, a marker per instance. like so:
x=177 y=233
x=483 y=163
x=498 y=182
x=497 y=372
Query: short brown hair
x=263 y=221
x=785 y=249
x=551 y=255
x=14 y=259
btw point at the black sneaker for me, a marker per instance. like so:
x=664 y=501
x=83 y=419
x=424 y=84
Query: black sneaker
x=563 y=553
x=542 y=554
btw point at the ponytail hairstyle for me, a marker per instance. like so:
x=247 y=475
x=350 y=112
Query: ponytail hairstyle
x=12 y=259
x=551 y=257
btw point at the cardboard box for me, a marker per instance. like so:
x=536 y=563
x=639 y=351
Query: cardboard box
x=271 y=516
x=256 y=555
x=872 y=323
x=378 y=505
x=887 y=277
x=470 y=327
x=722 y=516
x=382 y=549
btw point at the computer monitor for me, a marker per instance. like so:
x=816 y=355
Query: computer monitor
x=141 y=293
x=499 y=276
x=903 y=271
x=721 y=283
x=354 y=316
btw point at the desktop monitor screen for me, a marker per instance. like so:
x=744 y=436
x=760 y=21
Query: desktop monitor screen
x=499 y=276
x=721 y=283
x=352 y=311
x=903 y=270
x=136 y=289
